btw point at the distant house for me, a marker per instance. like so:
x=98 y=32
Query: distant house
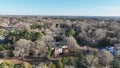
x=2 y=38
x=110 y=49
x=117 y=49
x=114 y=50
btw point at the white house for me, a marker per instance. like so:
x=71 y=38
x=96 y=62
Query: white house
x=110 y=49
x=2 y=38
x=58 y=50
x=117 y=49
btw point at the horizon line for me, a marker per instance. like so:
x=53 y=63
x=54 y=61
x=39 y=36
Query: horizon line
x=58 y=15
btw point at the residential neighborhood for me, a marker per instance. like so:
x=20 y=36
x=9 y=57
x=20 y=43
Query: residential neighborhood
x=53 y=39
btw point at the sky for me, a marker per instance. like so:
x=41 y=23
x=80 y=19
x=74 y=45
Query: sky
x=60 y=7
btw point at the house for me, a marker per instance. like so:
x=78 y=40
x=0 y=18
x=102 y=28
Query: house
x=65 y=50
x=114 y=50
x=64 y=47
x=110 y=49
x=59 y=50
x=2 y=38
x=117 y=49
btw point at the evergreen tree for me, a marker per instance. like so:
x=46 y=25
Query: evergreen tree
x=49 y=52
x=70 y=32
x=60 y=64
x=116 y=63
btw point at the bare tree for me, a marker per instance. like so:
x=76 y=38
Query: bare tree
x=40 y=49
x=47 y=39
x=105 y=57
x=71 y=43
x=90 y=61
x=99 y=34
x=25 y=48
x=22 y=48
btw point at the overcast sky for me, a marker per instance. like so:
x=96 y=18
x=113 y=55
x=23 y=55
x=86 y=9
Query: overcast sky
x=61 y=7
